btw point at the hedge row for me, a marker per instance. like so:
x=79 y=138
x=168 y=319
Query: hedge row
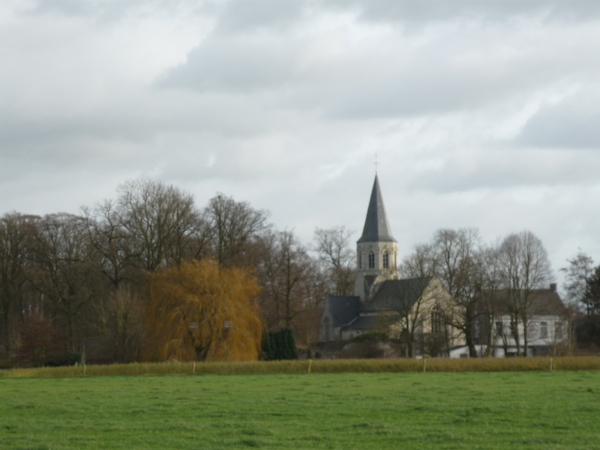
x=317 y=366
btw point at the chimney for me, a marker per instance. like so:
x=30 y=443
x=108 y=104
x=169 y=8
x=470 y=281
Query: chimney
x=553 y=287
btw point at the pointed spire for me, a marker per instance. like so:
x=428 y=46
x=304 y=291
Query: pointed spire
x=377 y=227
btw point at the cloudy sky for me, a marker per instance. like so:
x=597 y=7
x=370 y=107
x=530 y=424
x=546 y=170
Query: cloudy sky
x=481 y=113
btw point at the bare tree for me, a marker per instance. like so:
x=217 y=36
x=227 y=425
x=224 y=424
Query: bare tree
x=333 y=248
x=16 y=234
x=125 y=326
x=285 y=268
x=422 y=262
x=488 y=284
x=161 y=221
x=457 y=266
x=452 y=257
x=233 y=225
x=64 y=269
x=108 y=236
x=524 y=268
x=577 y=274
x=407 y=308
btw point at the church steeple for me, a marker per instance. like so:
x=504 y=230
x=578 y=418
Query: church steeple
x=377 y=250
x=377 y=227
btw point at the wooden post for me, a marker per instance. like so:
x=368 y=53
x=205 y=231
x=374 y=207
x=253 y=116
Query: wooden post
x=309 y=364
x=424 y=364
x=83 y=357
x=194 y=367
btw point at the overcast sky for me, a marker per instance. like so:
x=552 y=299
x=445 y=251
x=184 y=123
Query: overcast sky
x=482 y=113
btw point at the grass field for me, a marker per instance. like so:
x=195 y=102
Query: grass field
x=498 y=410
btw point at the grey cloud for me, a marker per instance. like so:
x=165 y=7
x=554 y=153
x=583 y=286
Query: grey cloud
x=114 y=10
x=240 y=16
x=417 y=13
x=234 y=64
x=508 y=169
x=572 y=123
x=133 y=119
x=447 y=76
x=454 y=69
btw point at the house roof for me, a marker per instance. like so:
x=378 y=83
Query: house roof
x=541 y=302
x=343 y=309
x=377 y=227
x=397 y=294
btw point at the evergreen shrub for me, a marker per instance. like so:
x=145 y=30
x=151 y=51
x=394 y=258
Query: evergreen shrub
x=279 y=345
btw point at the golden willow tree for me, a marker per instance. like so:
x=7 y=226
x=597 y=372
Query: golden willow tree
x=202 y=311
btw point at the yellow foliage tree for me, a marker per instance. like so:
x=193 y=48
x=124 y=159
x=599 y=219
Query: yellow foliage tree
x=200 y=311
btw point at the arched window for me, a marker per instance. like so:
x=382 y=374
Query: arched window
x=359 y=259
x=436 y=320
x=371 y=260
x=386 y=260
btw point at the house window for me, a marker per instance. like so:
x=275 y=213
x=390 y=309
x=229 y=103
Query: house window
x=436 y=321
x=327 y=329
x=476 y=330
x=386 y=260
x=499 y=329
x=558 y=330
x=543 y=330
x=371 y=260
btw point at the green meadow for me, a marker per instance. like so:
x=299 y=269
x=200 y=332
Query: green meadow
x=473 y=410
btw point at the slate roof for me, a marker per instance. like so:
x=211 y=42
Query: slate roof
x=377 y=227
x=542 y=302
x=343 y=309
x=397 y=294
x=365 y=323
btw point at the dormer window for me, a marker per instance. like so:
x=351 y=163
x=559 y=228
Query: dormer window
x=371 y=260
x=386 y=260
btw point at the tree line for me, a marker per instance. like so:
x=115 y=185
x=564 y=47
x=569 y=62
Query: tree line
x=108 y=271
x=145 y=271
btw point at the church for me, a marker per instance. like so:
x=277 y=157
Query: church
x=412 y=310
x=382 y=302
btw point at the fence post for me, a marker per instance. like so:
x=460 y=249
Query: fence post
x=83 y=357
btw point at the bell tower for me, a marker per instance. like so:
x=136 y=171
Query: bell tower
x=377 y=250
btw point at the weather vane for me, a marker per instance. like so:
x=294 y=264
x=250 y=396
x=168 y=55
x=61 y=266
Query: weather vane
x=376 y=163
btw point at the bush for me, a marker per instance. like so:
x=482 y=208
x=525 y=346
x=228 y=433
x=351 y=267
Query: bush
x=587 y=332
x=363 y=350
x=279 y=345
x=41 y=344
x=373 y=337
